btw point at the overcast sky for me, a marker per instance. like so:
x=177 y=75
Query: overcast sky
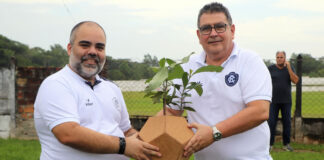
x=167 y=28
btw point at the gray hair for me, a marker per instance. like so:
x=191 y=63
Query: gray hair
x=212 y=8
x=281 y=52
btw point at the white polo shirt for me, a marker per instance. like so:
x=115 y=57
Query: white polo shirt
x=65 y=97
x=245 y=78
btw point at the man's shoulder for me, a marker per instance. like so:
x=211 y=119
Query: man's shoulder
x=272 y=66
x=57 y=76
x=195 y=60
x=247 y=53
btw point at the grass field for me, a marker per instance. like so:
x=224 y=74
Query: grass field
x=312 y=104
x=13 y=149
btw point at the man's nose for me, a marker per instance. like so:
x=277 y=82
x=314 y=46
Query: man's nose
x=213 y=32
x=92 y=50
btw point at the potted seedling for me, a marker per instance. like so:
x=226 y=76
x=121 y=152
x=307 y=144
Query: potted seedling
x=170 y=133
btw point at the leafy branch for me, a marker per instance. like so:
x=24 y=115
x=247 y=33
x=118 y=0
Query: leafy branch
x=162 y=82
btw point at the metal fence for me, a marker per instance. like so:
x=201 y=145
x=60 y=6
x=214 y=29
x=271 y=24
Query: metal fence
x=311 y=98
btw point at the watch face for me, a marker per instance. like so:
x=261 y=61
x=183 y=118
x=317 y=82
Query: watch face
x=216 y=134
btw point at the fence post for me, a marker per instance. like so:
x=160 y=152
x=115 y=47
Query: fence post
x=299 y=87
x=298 y=112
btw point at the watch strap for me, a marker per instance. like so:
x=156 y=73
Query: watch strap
x=122 y=145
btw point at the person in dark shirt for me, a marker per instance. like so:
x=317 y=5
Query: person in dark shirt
x=282 y=74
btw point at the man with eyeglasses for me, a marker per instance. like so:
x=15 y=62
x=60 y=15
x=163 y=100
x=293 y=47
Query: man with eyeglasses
x=230 y=121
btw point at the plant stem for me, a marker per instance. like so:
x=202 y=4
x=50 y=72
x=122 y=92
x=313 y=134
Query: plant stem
x=164 y=96
x=183 y=92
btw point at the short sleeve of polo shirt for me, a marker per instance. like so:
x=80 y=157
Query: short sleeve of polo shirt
x=56 y=103
x=256 y=80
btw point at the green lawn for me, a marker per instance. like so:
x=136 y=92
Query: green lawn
x=13 y=149
x=138 y=105
x=312 y=104
x=301 y=152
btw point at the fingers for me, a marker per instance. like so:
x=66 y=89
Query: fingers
x=192 y=146
x=188 y=153
x=151 y=147
x=152 y=153
x=151 y=150
x=193 y=125
x=135 y=135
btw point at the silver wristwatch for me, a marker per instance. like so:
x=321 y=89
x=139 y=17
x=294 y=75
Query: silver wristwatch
x=217 y=135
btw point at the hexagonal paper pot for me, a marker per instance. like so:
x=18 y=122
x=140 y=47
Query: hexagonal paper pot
x=169 y=133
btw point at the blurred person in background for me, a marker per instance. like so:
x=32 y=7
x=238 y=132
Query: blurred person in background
x=282 y=74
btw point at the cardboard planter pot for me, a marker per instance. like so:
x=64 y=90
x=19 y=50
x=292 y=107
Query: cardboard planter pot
x=169 y=133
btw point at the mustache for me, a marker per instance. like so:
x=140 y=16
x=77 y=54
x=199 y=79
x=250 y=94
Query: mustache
x=90 y=56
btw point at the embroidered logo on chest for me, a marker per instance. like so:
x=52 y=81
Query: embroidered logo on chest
x=88 y=102
x=116 y=104
x=231 y=79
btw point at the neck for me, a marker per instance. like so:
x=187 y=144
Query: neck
x=280 y=66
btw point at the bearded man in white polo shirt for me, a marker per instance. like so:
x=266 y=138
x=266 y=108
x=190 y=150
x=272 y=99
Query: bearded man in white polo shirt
x=80 y=116
x=230 y=118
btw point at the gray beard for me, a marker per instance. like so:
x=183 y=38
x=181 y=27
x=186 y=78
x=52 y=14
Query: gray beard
x=87 y=75
x=82 y=70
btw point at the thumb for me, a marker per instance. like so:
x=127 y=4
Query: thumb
x=193 y=125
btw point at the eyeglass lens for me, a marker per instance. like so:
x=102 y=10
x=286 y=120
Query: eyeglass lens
x=219 y=28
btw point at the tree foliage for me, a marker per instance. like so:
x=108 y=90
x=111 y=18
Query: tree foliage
x=56 y=56
x=161 y=84
x=310 y=66
x=313 y=67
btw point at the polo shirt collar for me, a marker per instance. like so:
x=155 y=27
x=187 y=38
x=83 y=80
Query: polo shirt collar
x=79 y=78
x=201 y=60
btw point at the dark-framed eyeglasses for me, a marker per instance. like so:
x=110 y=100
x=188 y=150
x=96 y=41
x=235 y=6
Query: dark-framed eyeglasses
x=219 y=28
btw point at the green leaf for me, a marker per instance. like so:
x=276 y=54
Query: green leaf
x=189 y=109
x=157 y=97
x=209 y=68
x=177 y=86
x=185 y=79
x=155 y=69
x=158 y=79
x=192 y=85
x=148 y=80
x=187 y=102
x=149 y=94
x=186 y=59
x=176 y=72
x=199 y=89
x=170 y=61
x=162 y=62
x=176 y=104
x=186 y=95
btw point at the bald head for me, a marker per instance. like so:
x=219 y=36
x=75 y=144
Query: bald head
x=77 y=26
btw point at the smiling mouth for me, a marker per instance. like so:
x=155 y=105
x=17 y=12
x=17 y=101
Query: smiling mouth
x=91 y=61
x=213 y=42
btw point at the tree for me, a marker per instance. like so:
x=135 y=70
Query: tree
x=267 y=62
x=310 y=64
x=57 y=56
x=152 y=62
